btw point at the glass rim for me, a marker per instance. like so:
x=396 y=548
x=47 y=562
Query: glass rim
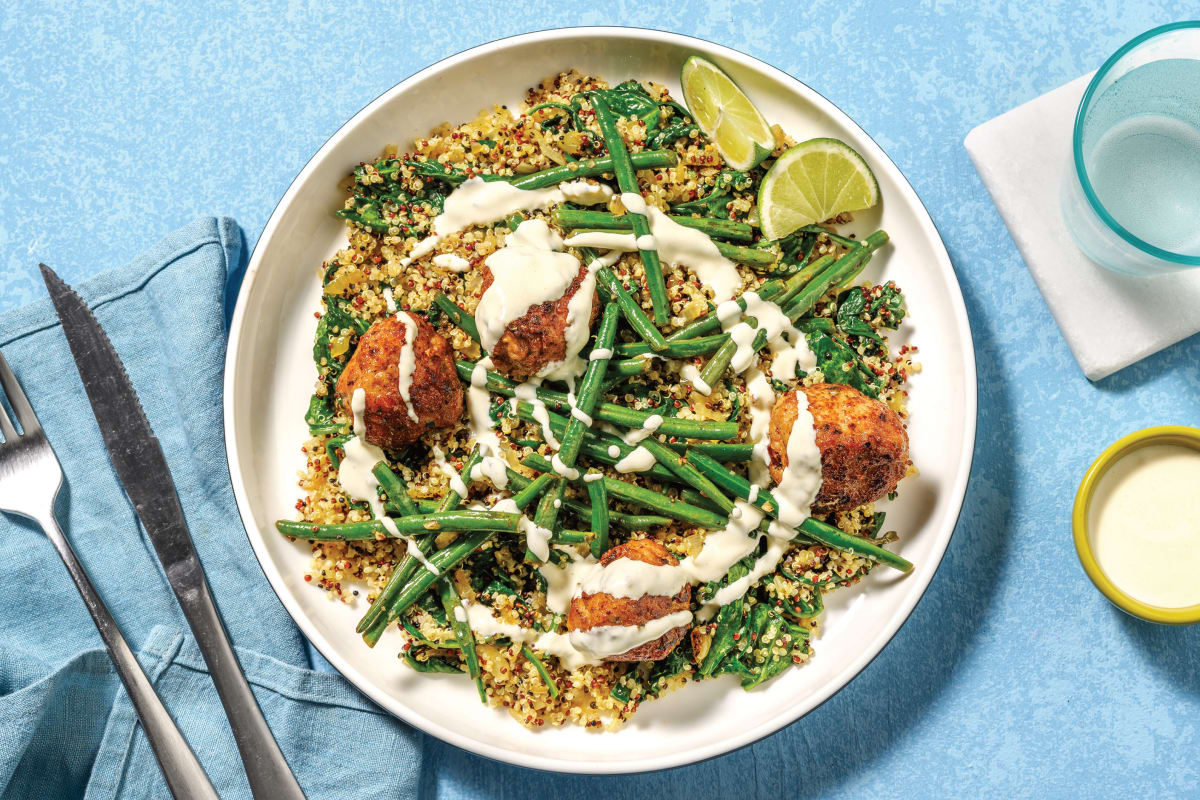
x=1077 y=147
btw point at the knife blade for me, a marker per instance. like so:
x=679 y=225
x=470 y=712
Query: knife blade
x=142 y=469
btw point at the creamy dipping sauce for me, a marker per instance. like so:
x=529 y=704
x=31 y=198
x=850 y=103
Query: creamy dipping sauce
x=1144 y=524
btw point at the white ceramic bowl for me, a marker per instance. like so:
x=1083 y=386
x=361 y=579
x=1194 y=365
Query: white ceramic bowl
x=269 y=376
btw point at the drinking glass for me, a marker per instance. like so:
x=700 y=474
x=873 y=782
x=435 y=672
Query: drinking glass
x=1132 y=199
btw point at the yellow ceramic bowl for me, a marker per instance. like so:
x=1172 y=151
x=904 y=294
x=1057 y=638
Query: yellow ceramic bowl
x=1165 y=434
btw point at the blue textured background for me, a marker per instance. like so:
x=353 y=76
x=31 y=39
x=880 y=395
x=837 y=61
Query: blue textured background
x=1014 y=676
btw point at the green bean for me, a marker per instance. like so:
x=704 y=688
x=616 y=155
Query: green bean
x=397 y=492
x=595 y=443
x=630 y=308
x=585 y=402
x=646 y=498
x=573 y=218
x=444 y=560
x=623 y=169
x=589 y=387
x=457 y=315
x=547 y=512
x=843 y=271
x=818 y=531
x=630 y=522
x=728 y=452
x=598 y=497
x=679 y=465
x=594 y=168
x=462 y=632
x=540 y=668
x=461 y=520
x=679 y=348
x=689 y=495
x=611 y=412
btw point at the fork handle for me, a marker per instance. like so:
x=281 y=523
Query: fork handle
x=185 y=777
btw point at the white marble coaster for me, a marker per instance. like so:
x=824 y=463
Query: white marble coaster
x=1109 y=320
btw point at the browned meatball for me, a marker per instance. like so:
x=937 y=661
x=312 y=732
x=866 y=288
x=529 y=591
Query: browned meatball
x=864 y=447
x=591 y=610
x=537 y=338
x=435 y=391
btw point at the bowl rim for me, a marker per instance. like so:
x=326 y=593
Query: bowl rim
x=1160 y=434
x=955 y=495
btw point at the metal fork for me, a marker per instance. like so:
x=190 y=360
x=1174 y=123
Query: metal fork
x=30 y=477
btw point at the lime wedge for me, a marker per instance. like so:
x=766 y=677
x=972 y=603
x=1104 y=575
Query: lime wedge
x=724 y=114
x=811 y=182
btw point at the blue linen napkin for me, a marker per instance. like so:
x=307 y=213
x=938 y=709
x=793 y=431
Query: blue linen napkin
x=67 y=728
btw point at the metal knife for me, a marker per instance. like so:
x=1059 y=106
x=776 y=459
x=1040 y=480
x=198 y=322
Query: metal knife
x=139 y=462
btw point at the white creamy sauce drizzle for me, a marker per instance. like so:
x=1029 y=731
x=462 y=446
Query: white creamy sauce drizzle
x=691 y=374
x=537 y=538
x=359 y=457
x=764 y=565
x=485 y=625
x=389 y=300
x=491 y=463
x=639 y=460
x=456 y=482
x=600 y=353
x=412 y=549
x=613 y=451
x=762 y=400
x=577 y=330
x=529 y=270
x=593 y=476
x=609 y=640
x=652 y=423
x=604 y=240
x=688 y=247
x=408 y=363
x=452 y=262
x=578 y=414
x=787 y=344
x=801 y=479
x=527 y=392
x=570 y=473
x=480 y=202
x=357 y=480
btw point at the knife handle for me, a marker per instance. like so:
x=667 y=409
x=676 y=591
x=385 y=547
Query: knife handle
x=268 y=772
x=185 y=777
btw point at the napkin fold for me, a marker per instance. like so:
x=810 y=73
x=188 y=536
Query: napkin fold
x=67 y=728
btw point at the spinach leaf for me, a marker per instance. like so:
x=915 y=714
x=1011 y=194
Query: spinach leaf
x=889 y=306
x=840 y=364
x=849 y=314
x=630 y=99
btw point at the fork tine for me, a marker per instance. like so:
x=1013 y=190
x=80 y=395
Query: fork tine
x=19 y=403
